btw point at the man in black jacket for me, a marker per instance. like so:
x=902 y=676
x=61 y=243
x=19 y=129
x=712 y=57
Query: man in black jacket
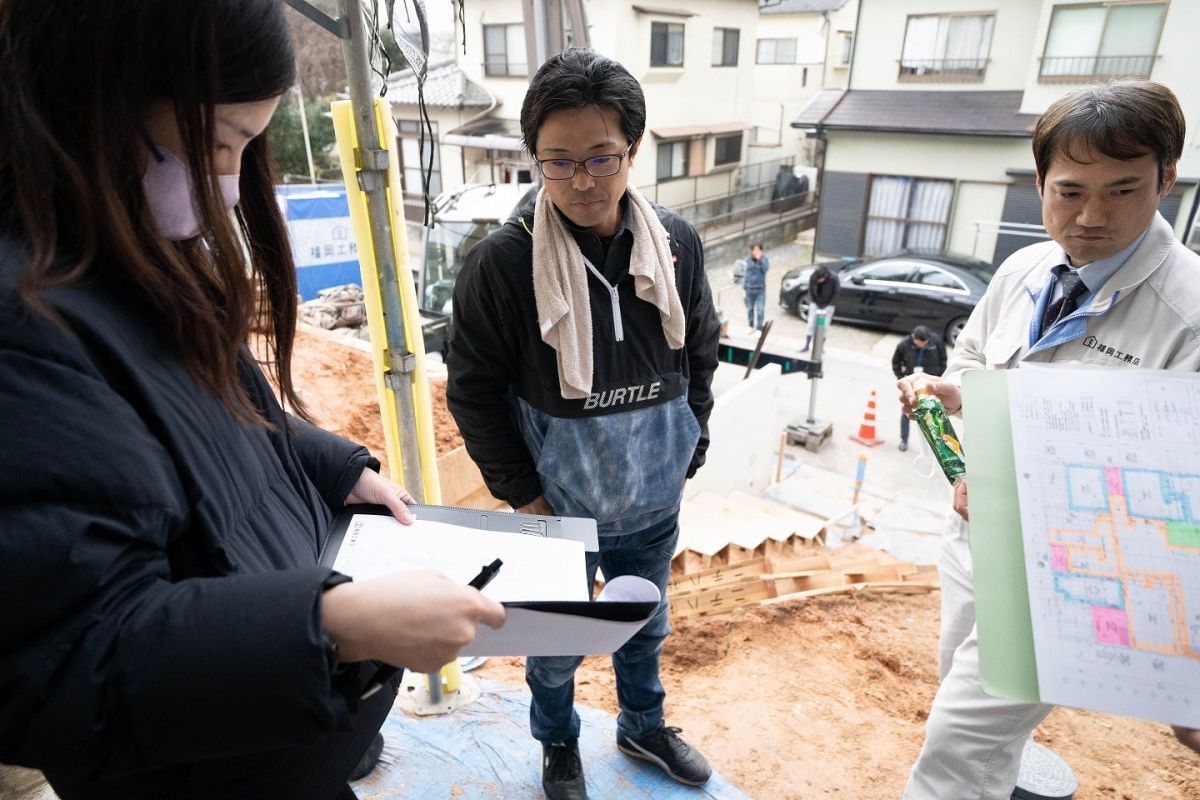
x=822 y=289
x=584 y=346
x=921 y=351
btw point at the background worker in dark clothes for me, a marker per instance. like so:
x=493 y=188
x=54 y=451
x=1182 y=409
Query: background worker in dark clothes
x=921 y=352
x=822 y=289
x=168 y=632
x=754 y=284
x=585 y=342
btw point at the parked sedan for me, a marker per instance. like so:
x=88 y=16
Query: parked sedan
x=899 y=292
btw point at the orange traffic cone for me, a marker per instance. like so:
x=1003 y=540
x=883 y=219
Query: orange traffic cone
x=866 y=431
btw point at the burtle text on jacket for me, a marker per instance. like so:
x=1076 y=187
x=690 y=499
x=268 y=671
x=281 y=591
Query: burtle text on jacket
x=624 y=396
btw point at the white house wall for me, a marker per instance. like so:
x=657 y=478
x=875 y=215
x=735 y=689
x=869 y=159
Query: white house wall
x=977 y=165
x=842 y=23
x=980 y=165
x=510 y=92
x=695 y=94
x=959 y=157
x=781 y=91
x=975 y=202
x=881 y=38
x=1175 y=68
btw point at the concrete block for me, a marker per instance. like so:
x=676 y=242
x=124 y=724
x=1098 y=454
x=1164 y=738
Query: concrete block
x=744 y=431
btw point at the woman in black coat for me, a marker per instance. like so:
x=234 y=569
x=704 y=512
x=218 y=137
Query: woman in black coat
x=168 y=632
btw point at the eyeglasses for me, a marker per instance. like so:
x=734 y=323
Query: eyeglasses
x=562 y=169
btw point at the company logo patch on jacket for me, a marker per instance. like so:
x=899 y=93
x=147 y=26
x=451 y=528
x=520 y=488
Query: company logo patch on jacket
x=1092 y=343
x=626 y=395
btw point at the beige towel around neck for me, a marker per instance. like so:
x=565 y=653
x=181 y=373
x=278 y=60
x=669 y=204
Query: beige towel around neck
x=560 y=287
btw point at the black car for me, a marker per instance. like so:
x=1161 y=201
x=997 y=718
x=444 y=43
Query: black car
x=898 y=292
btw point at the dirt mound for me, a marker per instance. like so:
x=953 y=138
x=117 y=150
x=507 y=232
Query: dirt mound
x=336 y=380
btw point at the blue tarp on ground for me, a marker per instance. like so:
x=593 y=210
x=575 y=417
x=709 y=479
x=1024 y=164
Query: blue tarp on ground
x=483 y=751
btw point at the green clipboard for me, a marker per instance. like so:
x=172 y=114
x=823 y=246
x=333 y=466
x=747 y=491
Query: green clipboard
x=1008 y=666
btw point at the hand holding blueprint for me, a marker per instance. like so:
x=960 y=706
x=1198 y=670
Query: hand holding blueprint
x=1107 y=474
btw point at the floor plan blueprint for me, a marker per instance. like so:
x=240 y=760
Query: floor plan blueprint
x=1108 y=475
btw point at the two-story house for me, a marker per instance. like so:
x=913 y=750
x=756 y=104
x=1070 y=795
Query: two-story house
x=928 y=147
x=802 y=46
x=695 y=59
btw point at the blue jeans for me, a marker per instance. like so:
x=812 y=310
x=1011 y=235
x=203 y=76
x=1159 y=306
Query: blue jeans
x=904 y=421
x=756 y=308
x=640 y=694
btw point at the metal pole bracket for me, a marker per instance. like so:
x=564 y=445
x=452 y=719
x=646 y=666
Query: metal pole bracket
x=376 y=160
x=371 y=181
x=338 y=27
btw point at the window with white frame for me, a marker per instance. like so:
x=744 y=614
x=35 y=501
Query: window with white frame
x=847 y=47
x=776 y=51
x=907 y=213
x=666 y=44
x=725 y=47
x=410 y=148
x=1104 y=40
x=672 y=160
x=946 y=46
x=727 y=149
x=504 y=50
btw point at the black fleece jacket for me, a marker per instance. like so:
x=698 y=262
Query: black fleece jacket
x=497 y=351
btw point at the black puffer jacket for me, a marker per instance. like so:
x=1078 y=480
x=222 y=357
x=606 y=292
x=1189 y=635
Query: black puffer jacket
x=158 y=568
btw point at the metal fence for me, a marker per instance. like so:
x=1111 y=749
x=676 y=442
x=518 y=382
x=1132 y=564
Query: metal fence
x=748 y=219
x=943 y=69
x=689 y=196
x=1067 y=69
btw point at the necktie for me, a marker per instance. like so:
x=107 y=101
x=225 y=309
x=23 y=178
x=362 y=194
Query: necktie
x=1072 y=287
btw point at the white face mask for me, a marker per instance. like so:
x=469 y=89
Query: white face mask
x=171 y=195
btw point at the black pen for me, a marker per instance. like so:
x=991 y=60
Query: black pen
x=386 y=672
x=485 y=575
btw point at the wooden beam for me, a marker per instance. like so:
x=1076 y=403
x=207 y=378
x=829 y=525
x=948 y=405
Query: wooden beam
x=716 y=576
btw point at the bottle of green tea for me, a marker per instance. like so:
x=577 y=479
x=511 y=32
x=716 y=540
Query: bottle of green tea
x=934 y=423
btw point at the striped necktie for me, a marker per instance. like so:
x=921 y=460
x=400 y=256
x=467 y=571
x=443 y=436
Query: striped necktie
x=1072 y=287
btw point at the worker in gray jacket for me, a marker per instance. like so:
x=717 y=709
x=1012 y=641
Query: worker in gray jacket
x=1113 y=288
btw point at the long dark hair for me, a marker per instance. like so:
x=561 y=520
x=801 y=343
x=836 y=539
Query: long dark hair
x=78 y=76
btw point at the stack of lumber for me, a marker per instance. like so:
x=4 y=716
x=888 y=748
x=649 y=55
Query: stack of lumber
x=763 y=581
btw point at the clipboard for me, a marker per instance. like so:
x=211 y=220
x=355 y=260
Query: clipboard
x=580 y=529
x=1007 y=663
x=565 y=627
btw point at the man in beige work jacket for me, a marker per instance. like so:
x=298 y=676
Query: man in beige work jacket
x=1112 y=289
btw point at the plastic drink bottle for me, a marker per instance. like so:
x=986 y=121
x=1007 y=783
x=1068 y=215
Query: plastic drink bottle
x=935 y=425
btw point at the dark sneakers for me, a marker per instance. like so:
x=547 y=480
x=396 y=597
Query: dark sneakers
x=562 y=771
x=671 y=753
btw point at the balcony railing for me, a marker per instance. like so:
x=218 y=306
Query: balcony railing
x=933 y=70
x=703 y=196
x=1072 y=69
